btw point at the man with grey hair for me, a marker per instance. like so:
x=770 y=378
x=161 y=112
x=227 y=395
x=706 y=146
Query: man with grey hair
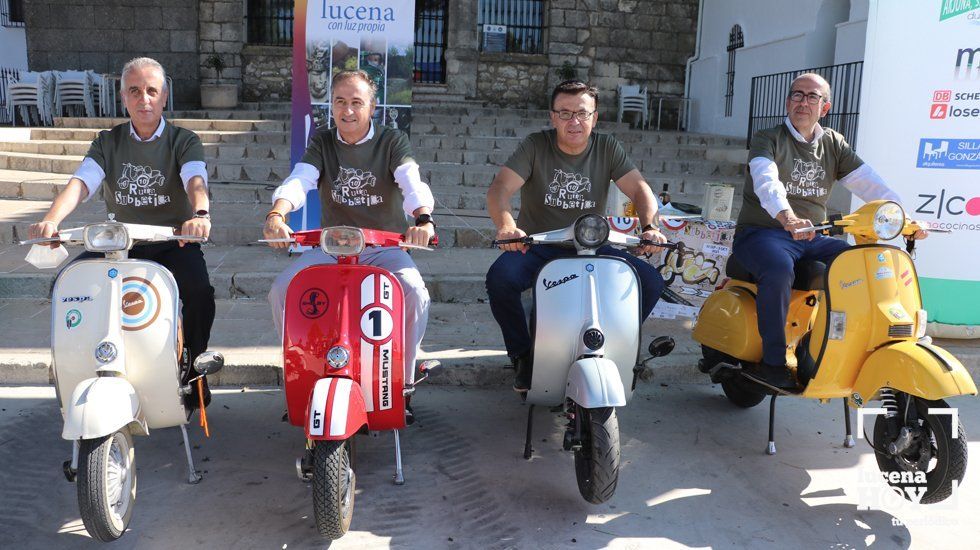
x=154 y=174
x=792 y=169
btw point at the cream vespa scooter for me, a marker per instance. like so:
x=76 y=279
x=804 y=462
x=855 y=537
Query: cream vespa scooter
x=116 y=350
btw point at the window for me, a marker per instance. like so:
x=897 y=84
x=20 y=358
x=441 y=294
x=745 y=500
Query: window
x=12 y=13
x=430 y=41
x=735 y=41
x=515 y=26
x=269 y=22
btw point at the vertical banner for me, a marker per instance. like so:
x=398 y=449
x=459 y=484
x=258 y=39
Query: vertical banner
x=377 y=37
x=920 y=129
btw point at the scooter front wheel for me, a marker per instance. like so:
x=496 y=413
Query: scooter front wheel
x=597 y=459
x=932 y=458
x=107 y=484
x=333 y=487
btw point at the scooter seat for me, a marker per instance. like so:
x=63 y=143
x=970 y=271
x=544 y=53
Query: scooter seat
x=808 y=275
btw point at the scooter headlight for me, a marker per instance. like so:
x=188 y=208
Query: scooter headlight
x=591 y=231
x=105 y=237
x=338 y=357
x=342 y=241
x=105 y=352
x=889 y=220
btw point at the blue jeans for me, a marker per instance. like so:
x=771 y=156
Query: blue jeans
x=513 y=273
x=770 y=254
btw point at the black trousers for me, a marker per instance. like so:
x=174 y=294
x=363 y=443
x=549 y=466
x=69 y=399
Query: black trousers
x=196 y=293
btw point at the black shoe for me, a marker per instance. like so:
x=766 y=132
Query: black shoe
x=409 y=412
x=522 y=380
x=777 y=376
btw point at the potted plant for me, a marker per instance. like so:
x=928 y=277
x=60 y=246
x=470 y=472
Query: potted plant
x=566 y=72
x=216 y=95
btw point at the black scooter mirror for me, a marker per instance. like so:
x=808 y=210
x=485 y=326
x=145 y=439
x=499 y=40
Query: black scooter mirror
x=661 y=345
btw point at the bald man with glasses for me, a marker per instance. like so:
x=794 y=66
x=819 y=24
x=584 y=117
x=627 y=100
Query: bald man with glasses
x=562 y=173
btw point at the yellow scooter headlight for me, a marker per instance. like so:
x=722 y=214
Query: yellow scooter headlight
x=889 y=220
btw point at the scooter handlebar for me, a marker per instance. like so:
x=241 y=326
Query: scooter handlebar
x=517 y=240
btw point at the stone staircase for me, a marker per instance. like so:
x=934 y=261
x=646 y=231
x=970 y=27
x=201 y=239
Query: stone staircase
x=459 y=148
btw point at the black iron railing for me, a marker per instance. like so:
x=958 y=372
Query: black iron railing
x=523 y=19
x=12 y=13
x=430 y=41
x=768 y=105
x=269 y=22
x=6 y=76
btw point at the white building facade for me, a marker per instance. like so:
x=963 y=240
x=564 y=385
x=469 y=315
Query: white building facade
x=750 y=38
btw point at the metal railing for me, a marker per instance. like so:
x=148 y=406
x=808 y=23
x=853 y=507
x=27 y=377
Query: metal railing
x=524 y=20
x=12 y=13
x=768 y=99
x=6 y=76
x=269 y=22
x=430 y=41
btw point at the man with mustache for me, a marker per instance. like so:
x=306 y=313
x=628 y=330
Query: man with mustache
x=151 y=172
x=792 y=169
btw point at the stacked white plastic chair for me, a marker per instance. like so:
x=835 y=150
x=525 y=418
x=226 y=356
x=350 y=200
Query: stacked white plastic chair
x=73 y=88
x=633 y=98
x=109 y=95
x=31 y=89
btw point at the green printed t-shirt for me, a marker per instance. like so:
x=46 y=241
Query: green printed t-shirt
x=357 y=182
x=558 y=187
x=808 y=170
x=142 y=178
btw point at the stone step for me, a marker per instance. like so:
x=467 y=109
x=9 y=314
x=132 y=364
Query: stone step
x=275 y=106
x=212 y=151
x=238 y=114
x=86 y=135
x=33 y=162
x=253 y=125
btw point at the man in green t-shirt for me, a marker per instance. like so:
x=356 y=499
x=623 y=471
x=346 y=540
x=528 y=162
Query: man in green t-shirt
x=562 y=174
x=367 y=178
x=153 y=173
x=792 y=169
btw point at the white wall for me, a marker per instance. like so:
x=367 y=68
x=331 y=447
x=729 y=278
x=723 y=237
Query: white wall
x=779 y=36
x=13 y=48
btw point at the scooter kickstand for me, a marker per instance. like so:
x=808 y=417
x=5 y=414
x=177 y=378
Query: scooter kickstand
x=848 y=438
x=771 y=448
x=193 y=477
x=399 y=476
x=527 y=439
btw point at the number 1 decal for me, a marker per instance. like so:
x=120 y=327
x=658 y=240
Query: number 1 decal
x=376 y=323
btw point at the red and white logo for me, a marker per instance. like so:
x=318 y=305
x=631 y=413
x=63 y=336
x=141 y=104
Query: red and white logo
x=939 y=110
x=942 y=96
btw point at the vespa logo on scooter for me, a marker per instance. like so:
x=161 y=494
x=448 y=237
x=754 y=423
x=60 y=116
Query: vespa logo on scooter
x=140 y=303
x=548 y=285
x=313 y=303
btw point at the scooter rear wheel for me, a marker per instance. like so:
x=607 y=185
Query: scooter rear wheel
x=107 y=484
x=743 y=393
x=333 y=487
x=935 y=452
x=597 y=461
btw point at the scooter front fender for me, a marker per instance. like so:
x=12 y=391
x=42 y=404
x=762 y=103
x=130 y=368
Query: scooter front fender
x=336 y=409
x=919 y=369
x=595 y=382
x=101 y=406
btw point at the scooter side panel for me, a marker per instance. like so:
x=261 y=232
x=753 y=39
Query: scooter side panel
x=356 y=306
x=148 y=312
x=728 y=322
x=563 y=311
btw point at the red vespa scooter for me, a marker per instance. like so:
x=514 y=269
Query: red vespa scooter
x=343 y=347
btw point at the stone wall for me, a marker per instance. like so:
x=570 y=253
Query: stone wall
x=607 y=42
x=222 y=34
x=102 y=35
x=267 y=73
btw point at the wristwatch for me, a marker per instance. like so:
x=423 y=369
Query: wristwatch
x=202 y=214
x=650 y=227
x=423 y=219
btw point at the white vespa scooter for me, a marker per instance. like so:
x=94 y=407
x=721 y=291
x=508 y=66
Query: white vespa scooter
x=586 y=346
x=116 y=348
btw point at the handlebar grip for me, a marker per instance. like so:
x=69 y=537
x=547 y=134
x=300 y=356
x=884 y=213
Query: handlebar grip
x=648 y=242
x=518 y=240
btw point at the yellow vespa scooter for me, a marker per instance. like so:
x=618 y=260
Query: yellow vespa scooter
x=855 y=330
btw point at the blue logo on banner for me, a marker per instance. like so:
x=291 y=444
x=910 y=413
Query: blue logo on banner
x=954 y=154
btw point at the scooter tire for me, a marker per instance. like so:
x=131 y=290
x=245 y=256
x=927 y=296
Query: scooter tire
x=333 y=488
x=950 y=453
x=107 y=472
x=597 y=461
x=742 y=392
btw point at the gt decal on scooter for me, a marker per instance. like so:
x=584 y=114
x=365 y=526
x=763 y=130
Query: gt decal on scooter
x=376 y=289
x=73 y=318
x=140 y=303
x=313 y=303
x=552 y=284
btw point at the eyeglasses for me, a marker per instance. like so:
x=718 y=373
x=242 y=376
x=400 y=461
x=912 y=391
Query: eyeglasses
x=812 y=98
x=567 y=115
